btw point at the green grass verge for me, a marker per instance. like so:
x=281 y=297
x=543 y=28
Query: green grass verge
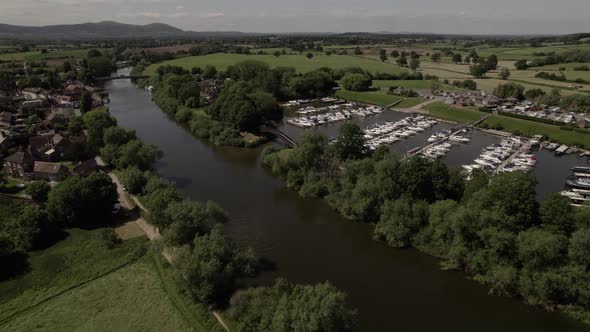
x=529 y=128
x=222 y=60
x=410 y=84
x=370 y=97
x=464 y=115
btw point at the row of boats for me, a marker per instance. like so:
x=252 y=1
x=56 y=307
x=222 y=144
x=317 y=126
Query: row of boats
x=509 y=155
x=443 y=142
x=336 y=113
x=390 y=132
x=578 y=186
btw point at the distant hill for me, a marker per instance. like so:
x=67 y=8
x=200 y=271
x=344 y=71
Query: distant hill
x=101 y=30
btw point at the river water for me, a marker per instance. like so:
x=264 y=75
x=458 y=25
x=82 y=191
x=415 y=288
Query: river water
x=309 y=242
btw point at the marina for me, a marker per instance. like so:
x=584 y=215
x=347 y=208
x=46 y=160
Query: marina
x=391 y=132
x=311 y=116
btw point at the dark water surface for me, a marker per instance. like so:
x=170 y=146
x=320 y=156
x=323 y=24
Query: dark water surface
x=393 y=289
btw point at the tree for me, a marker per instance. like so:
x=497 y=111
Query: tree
x=534 y=94
x=490 y=63
x=553 y=98
x=350 y=143
x=457 y=58
x=557 y=214
x=288 y=307
x=96 y=122
x=355 y=82
x=118 y=136
x=414 y=64
x=579 y=247
x=92 y=53
x=509 y=90
x=134 y=179
x=383 y=57
x=100 y=66
x=402 y=61
x=540 y=249
x=38 y=190
x=394 y=53
x=66 y=67
x=208 y=270
x=521 y=64
x=477 y=71
x=436 y=57
x=209 y=72
x=138 y=154
x=358 y=51
x=77 y=202
x=188 y=219
x=504 y=73
x=309 y=55
x=400 y=221
x=277 y=54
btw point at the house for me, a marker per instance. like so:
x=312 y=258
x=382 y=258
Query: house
x=49 y=171
x=48 y=147
x=6 y=120
x=5 y=144
x=30 y=106
x=86 y=168
x=68 y=100
x=19 y=164
x=34 y=93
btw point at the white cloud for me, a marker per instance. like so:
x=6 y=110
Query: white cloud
x=211 y=14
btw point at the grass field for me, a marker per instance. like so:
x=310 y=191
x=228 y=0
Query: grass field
x=38 y=56
x=446 y=112
x=299 y=62
x=409 y=84
x=131 y=298
x=370 y=97
x=81 y=284
x=529 y=128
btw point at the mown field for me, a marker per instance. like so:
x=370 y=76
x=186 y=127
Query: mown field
x=409 y=84
x=222 y=60
x=463 y=115
x=38 y=56
x=529 y=129
x=81 y=284
x=380 y=98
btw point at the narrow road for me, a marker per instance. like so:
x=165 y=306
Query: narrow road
x=150 y=231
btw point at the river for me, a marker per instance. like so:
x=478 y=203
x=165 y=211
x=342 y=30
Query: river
x=310 y=243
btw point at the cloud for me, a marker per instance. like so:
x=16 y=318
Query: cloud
x=151 y=14
x=211 y=14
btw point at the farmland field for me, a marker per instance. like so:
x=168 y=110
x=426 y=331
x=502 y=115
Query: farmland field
x=380 y=98
x=38 y=56
x=446 y=112
x=299 y=62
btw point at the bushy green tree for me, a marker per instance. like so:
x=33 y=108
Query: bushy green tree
x=288 y=307
x=38 y=190
x=355 y=82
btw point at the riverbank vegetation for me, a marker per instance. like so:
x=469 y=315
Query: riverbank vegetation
x=490 y=227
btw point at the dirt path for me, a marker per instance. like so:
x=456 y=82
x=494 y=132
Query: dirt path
x=150 y=231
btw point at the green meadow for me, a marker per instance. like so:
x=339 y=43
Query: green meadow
x=302 y=64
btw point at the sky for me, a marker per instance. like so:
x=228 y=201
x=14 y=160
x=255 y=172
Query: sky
x=280 y=16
